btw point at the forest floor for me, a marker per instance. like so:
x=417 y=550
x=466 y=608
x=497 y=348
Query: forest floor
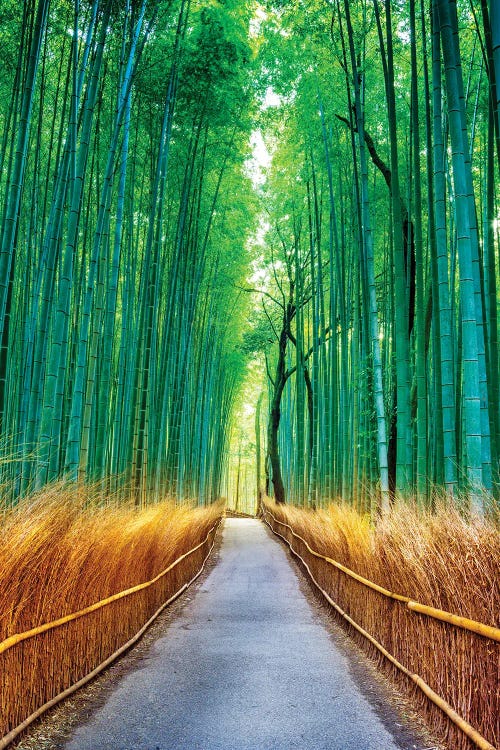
x=249 y=660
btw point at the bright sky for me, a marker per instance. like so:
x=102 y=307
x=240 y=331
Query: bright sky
x=256 y=22
x=261 y=158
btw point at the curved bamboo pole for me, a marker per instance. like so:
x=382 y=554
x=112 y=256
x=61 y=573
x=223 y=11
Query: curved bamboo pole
x=11 y=736
x=488 y=631
x=18 y=637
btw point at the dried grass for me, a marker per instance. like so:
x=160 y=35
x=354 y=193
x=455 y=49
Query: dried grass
x=440 y=559
x=60 y=551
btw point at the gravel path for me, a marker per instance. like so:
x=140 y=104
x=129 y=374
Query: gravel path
x=247 y=665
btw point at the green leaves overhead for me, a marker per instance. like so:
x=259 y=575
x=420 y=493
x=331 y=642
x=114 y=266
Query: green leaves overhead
x=214 y=69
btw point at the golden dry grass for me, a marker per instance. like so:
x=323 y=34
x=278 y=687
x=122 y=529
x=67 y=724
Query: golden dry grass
x=441 y=560
x=60 y=552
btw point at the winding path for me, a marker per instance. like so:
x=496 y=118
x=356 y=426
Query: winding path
x=247 y=665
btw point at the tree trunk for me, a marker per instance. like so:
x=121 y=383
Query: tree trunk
x=258 y=454
x=273 y=450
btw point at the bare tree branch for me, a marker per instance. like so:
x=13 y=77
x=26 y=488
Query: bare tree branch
x=270 y=321
x=268 y=373
x=379 y=163
x=260 y=291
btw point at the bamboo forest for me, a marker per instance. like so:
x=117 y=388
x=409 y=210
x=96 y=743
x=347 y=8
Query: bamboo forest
x=249 y=274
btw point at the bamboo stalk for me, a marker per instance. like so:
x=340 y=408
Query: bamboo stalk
x=462 y=622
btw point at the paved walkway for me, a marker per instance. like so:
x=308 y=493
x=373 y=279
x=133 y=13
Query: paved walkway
x=246 y=666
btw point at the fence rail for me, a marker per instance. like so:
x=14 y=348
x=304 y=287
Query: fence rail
x=18 y=638
x=470 y=625
x=488 y=631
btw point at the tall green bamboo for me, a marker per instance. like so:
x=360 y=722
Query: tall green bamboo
x=404 y=449
x=420 y=349
x=367 y=237
x=439 y=232
x=472 y=402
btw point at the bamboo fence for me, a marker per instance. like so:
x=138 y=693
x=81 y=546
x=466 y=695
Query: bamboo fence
x=42 y=666
x=450 y=663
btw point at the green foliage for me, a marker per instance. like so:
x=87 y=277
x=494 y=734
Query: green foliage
x=305 y=57
x=127 y=218
x=124 y=275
